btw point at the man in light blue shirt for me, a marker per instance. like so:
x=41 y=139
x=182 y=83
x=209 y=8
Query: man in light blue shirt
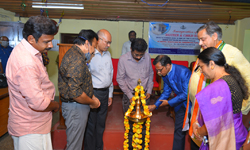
x=101 y=69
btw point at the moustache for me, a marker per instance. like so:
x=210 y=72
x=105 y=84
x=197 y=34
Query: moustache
x=47 y=48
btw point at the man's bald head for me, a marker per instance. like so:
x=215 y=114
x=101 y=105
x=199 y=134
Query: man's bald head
x=104 y=41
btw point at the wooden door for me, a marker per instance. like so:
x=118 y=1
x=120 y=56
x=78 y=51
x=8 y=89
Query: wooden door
x=63 y=48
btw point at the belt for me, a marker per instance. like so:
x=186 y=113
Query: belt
x=101 y=89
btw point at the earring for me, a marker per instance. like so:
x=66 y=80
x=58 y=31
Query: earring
x=212 y=68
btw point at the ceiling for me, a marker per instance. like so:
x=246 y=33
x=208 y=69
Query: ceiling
x=200 y=11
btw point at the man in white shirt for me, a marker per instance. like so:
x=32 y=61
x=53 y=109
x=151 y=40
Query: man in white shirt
x=101 y=69
x=126 y=46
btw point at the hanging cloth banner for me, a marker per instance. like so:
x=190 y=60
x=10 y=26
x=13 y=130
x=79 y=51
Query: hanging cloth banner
x=173 y=38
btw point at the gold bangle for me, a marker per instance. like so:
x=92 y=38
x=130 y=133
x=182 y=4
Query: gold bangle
x=198 y=133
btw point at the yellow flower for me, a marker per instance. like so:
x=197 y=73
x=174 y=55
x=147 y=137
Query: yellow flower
x=131 y=107
x=133 y=103
x=143 y=101
x=125 y=136
x=138 y=131
x=140 y=122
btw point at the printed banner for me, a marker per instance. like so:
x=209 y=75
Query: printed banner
x=173 y=38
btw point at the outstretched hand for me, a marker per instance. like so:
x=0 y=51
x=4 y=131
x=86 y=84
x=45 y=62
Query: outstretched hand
x=151 y=107
x=164 y=103
x=147 y=96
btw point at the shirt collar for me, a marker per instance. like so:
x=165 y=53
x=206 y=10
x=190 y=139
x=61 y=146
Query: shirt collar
x=79 y=50
x=97 y=52
x=30 y=48
x=170 y=69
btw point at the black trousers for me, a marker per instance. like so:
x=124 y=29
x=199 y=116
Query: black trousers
x=179 y=135
x=93 y=139
x=194 y=146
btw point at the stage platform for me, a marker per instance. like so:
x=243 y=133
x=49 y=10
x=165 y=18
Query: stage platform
x=161 y=132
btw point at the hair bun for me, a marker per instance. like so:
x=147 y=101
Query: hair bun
x=226 y=65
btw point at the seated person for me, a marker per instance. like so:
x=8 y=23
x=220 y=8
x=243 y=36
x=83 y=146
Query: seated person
x=220 y=103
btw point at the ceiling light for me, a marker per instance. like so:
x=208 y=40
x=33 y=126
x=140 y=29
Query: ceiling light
x=57 y=5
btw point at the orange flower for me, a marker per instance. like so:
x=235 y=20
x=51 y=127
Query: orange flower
x=133 y=98
x=147 y=140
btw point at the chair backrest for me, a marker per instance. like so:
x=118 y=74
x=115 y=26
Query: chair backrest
x=116 y=60
x=115 y=65
x=180 y=62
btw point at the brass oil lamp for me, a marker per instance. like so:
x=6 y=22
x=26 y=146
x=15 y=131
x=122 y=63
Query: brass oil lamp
x=137 y=115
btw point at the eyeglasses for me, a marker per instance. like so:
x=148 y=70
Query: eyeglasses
x=107 y=42
x=138 y=55
x=159 y=70
x=93 y=54
x=196 y=69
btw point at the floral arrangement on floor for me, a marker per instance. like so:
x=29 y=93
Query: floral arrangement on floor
x=137 y=126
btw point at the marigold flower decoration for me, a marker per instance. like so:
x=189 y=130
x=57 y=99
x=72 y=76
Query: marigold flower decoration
x=137 y=126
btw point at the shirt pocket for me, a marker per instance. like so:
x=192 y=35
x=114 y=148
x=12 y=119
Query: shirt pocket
x=143 y=71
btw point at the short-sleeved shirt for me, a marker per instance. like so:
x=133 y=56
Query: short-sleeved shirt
x=74 y=77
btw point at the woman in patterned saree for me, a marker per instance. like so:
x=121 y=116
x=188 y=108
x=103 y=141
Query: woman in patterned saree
x=219 y=123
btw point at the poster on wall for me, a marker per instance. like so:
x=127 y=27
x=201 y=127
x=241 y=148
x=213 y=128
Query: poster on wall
x=173 y=38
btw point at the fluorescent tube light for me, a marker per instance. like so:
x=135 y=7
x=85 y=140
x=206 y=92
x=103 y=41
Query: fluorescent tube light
x=57 y=5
